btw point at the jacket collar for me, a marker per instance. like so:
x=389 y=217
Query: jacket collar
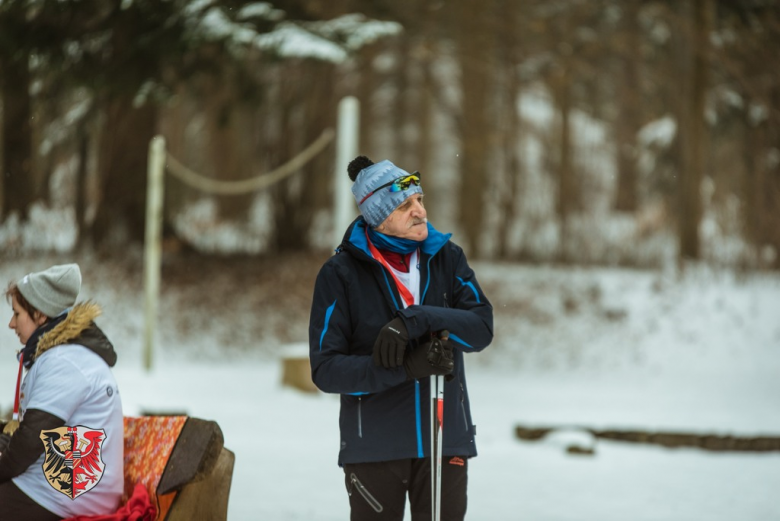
x=76 y=327
x=356 y=236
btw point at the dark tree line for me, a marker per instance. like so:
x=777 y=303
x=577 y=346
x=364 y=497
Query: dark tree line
x=452 y=79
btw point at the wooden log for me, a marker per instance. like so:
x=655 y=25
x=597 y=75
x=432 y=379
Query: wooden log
x=531 y=434
x=207 y=498
x=709 y=442
x=194 y=456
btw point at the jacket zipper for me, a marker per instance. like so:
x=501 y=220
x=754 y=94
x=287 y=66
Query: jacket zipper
x=370 y=499
x=360 y=416
x=463 y=405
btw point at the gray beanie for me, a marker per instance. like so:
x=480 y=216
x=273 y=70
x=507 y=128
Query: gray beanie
x=52 y=291
x=374 y=204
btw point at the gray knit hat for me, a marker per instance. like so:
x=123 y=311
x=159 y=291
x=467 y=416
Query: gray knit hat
x=375 y=201
x=52 y=291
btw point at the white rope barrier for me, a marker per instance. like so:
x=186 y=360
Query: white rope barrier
x=160 y=159
x=214 y=186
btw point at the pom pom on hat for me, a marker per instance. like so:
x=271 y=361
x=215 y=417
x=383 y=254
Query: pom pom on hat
x=52 y=291
x=356 y=165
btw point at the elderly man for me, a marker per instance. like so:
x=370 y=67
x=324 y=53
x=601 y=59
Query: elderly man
x=393 y=289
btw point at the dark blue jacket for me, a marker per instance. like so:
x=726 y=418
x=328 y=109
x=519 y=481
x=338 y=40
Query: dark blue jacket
x=383 y=415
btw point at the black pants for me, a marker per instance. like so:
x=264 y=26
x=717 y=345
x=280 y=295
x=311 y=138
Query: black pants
x=377 y=491
x=15 y=505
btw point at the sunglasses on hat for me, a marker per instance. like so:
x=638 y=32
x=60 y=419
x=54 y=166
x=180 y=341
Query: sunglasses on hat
x=396 y=185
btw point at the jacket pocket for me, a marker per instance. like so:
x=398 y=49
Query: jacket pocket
x=354 y=483
x=467 y=425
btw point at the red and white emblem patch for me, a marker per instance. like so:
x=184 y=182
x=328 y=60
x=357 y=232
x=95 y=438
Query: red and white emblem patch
x=73 y=464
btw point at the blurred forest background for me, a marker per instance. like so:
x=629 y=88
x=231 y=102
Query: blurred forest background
x=618 y=132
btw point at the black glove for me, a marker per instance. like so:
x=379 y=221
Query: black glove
x=431 y=358
x=440 y=353
x=391 y=344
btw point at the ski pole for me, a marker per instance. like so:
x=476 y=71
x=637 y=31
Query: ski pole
x=437 y=432
x=437 y=421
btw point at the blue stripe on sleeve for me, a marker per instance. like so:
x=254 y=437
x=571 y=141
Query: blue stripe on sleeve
x=460 y=341
x=328 y=313
x=470 y=285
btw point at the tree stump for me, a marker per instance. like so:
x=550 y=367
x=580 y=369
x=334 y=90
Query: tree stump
x=296 y=370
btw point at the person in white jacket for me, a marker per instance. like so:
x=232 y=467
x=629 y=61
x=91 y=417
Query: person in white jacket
x=62 y=454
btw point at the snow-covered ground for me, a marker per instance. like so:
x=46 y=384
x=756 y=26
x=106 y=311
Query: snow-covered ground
x=603 y=348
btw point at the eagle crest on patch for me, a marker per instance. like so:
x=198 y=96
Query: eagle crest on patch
x=73 y=462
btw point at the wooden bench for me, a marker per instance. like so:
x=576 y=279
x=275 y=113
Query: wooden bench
x=182 y=464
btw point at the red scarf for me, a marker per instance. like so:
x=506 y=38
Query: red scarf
x=403 y=290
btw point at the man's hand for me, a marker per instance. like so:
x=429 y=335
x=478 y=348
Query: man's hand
x=440 y=353
x=390 y=344
x=431 y=358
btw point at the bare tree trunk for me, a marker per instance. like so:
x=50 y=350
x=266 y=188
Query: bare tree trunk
x=423 y=55
x=629 y=101
x=180 y=143
x=124 y=149
x=566 y=186
x=82 y=142
x=17 y=172
x=754 y=179
x=475 y=46
x=512 y=172
x=297 y=198
x=510 y=123
x=286 y=144
x=366 y=88
x=424 y=118
x=771 y=206
x=693 y=130
x=404 y=155
x=761 y=192
x=228 y=141
x=317 y=183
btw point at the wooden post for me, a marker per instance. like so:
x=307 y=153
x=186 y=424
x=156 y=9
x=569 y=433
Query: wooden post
x=153 y=243
x=344 y=209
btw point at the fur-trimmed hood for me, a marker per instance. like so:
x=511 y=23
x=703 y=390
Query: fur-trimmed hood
x=78 y=327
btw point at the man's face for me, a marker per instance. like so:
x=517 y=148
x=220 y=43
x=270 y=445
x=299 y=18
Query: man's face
x=408 y=221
